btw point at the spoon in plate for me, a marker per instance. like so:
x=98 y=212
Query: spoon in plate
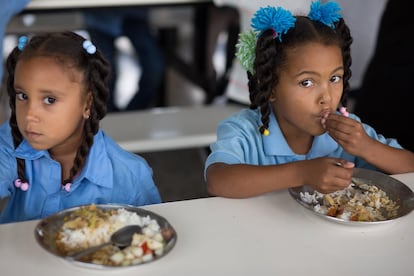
x=120 y=238
x=355 y=183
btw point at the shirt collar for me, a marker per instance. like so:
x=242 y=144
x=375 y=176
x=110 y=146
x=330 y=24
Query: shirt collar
x=276 y=144
x=25 y=151
x=98 y=174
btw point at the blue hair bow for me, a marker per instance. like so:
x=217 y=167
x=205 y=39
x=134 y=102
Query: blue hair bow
x=327 y=13
x=22 y=42
x=89 y=47
x=277 y=19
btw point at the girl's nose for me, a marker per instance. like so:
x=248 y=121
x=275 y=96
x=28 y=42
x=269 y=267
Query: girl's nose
x=32 y=112
x=325 y=97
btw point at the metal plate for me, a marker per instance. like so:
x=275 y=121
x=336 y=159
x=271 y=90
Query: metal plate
x=47 y=229
x=395 y=190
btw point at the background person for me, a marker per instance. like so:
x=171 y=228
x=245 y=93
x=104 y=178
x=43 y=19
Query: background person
x=7 y=11
x=386 y=95
x=105 y=26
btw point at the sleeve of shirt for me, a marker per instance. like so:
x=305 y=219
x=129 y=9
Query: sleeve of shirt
x=8 y=169
x=147 y=192
x=133 y=180
x=379 y=137
x=361 y=163
x=234 y=142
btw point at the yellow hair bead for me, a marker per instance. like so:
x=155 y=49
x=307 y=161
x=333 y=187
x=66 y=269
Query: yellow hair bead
x=266 y=132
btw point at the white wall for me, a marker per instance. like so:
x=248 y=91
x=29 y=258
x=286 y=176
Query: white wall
x=363 y=19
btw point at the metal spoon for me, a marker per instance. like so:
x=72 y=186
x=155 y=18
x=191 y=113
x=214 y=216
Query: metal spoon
x=121 y=238
x=356 y=184
x=360 y=185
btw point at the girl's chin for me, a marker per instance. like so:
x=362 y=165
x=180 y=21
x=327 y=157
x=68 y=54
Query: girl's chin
x=320 y=131
x=38 y=146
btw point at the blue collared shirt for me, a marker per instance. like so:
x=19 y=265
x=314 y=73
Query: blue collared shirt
x=240 y=142
x=110 y=175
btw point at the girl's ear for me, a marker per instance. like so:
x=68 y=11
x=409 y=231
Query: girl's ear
x=87 y=105
x=272 y=97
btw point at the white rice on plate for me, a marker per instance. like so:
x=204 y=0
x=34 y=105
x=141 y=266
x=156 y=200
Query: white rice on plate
x=90 y=226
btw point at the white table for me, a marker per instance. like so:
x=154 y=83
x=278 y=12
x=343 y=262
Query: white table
x=167 y=128
x=265 y=235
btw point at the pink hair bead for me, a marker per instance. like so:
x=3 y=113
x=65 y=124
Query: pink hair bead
x=24 y=186
x=67 y=186
x=17 y=183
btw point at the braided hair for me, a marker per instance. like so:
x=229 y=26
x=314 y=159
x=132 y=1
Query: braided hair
x=271 y=57
x=66 y=48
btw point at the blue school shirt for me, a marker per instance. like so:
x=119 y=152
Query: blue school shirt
x=110 y=175
x=240 y=142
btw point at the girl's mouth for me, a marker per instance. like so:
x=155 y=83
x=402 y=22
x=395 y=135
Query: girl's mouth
x=32 y=135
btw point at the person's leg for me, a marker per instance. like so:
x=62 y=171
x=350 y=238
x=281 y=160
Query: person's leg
x=219 y=20
x=106 y=44
x=151 y=60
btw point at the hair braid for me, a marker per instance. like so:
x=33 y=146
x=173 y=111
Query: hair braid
x=83 y=150
x=264 y=79
x=96 y=79
x=345 y=33
x=16 y=135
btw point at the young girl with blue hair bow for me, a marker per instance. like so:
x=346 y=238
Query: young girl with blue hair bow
x=297 y=130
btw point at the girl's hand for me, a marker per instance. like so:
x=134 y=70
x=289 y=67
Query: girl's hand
x=348 y=133
x=328 y=175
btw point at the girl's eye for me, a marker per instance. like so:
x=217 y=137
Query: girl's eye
x=336 y=79
x=49 y=100
x=306 y=83
x=21 y=96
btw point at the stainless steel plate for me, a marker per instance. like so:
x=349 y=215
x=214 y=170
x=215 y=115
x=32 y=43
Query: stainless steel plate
x=47 y=229
x=395 y=190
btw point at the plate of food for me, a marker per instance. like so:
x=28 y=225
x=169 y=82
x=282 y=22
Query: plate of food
x=372 y=198
x=71 y=231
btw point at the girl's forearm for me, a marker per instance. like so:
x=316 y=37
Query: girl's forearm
x=240 y=181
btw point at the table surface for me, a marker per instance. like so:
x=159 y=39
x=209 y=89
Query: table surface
x=264 y=235
x=64 y=4
x=166 y=128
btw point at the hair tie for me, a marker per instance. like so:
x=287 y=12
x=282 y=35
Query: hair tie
x=67 y=186
x=246 y=50
x=22 y=185
x=22 y=42
x=278 y=20
x=327 y=13
x=264 y=131
x=89 y=47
